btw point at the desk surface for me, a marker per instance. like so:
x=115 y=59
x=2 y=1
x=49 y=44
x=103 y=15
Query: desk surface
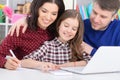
x=30 y=74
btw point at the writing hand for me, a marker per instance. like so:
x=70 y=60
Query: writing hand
x=12 y=63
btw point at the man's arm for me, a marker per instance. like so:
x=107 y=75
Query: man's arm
x=88 y=49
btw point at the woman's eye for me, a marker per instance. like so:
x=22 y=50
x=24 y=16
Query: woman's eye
x=43 y=11
x=66 y=25
x=54 y=14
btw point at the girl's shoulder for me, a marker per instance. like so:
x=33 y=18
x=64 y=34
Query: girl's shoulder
x=53 y=42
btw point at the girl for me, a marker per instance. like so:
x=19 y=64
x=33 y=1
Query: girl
x=64 y=48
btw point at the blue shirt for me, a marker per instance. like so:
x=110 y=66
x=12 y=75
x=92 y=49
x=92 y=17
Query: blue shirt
x=107 y=37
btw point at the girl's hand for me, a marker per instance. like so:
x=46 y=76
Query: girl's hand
x=44 y=66
x=16 y=26
x=73 y=64
x=47 y=66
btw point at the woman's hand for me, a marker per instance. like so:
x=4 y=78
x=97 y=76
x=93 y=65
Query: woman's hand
x=12 y=63
x=16 y=26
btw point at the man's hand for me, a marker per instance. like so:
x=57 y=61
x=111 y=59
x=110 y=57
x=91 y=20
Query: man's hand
x=86 y=48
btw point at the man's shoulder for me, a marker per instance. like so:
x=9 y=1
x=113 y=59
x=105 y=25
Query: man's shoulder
x=116 y=21
x=87 y=20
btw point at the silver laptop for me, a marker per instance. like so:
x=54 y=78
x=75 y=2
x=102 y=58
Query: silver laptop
x=105 y=60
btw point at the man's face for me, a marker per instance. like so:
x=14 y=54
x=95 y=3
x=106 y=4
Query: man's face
x=99 y=18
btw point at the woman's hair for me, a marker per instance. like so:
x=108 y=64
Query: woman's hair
x=32 y=18
x=75 y=43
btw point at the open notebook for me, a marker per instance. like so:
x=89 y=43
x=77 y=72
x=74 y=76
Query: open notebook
x=105 y=60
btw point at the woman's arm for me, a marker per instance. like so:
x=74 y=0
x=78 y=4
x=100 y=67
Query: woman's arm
x=44 y=66
x=16 y=26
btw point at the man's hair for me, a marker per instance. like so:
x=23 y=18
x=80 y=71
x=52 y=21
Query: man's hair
x=110 y=5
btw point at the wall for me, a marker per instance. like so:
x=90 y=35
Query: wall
x=68 y=5
x=83 y=2
x=2 y=1
x=13 y=3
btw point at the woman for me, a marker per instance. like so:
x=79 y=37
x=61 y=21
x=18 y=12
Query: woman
x=41 y=22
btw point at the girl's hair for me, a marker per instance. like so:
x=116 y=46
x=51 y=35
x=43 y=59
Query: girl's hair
x=34 y=8
x=75 y=43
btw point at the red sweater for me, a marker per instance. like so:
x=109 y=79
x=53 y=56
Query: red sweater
x=22 y=45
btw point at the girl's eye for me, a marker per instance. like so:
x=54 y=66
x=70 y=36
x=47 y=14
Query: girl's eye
x=74 y=29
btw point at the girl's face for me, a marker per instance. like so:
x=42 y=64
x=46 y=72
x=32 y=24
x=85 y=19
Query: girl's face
x=48 y=13
x=68 y=29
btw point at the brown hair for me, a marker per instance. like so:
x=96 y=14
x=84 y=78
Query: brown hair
x=75 y=43
x=34 y=8
x=110 y=5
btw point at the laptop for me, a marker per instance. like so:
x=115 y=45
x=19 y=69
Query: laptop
x=105 y=60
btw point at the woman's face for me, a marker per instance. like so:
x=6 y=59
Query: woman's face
x=48 y=13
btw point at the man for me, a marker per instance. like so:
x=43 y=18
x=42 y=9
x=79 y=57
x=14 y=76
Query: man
x=102 y=29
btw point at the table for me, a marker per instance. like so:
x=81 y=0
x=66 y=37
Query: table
x=32 y=74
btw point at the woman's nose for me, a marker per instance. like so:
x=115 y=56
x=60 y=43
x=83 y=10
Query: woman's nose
x=48 y=16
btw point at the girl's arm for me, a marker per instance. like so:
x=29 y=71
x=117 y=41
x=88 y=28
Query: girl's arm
x=74 y=64
x=44 y=66
x=16 y=26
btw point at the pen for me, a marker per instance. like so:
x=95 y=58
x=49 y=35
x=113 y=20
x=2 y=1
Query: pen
x=12 y=53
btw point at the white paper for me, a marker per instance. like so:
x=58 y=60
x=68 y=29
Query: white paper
x=60 y=72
